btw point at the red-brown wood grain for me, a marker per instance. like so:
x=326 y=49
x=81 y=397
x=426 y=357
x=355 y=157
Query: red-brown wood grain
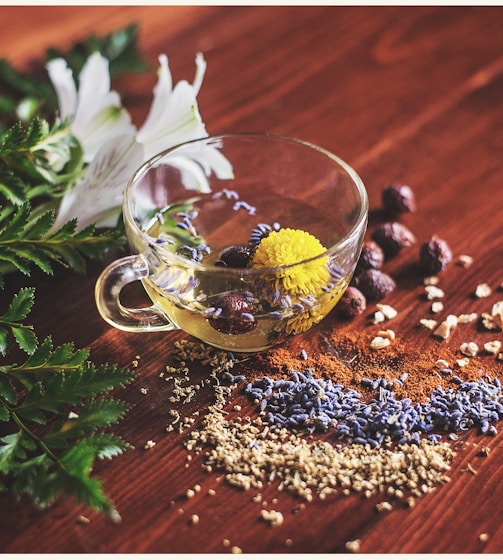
x=410 y=94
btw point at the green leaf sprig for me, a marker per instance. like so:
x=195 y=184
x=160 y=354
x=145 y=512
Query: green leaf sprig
x=55 y=406
x=48 y=451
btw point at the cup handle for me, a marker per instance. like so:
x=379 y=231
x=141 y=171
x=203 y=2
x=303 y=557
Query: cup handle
x=107 y=291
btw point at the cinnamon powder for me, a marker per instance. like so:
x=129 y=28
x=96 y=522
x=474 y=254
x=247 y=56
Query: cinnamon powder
x=347 y=359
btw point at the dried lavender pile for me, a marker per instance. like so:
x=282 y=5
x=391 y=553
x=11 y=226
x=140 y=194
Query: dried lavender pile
x=307 y=403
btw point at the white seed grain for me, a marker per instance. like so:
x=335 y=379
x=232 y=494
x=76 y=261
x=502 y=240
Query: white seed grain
x=433 y=292
x=430 y=324
x=492 y=347
x=483 y=290
x=353 y=546
x=469 y=349
x=388 y=311
x=465 y=260
x=379 y=342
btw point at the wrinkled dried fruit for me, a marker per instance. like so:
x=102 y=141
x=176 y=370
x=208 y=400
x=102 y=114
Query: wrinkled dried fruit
x=235 y=314
x=434 y=255
x=375 y=284
x=392 y=237
x=352 y=303
x=371 y=256
x=398 y=199
x=235 y=256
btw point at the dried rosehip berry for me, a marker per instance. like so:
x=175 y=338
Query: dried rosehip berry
x=235 y=256
x=398 y=199
x=434 y=255
x=236 y=314
x=371 y=256
x=352 y=303
x=393 y=237
x=374 y=284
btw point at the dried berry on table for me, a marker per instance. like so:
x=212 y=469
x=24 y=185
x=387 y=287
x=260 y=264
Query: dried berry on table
x=352 y=303
x=392 y=237
x=371 y=256
x=398 y=199
x=434 y=255
x=374 y=284
x=235 y=314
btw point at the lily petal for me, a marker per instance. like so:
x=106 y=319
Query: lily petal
x=99 y=115
x=174 y=115
x=97 y=197
x=61 y=77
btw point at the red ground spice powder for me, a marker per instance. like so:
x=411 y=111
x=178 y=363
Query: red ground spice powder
x=346 y=358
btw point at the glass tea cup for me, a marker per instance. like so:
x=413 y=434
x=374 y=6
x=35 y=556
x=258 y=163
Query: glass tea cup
x=240 y=240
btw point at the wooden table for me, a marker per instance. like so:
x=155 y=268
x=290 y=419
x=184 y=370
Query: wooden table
x=403 y=94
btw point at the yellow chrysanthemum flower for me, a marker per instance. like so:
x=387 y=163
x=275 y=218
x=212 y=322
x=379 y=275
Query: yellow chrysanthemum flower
x=294 y=247
x=290 y=246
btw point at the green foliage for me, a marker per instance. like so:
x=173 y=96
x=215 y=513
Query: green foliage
x=24 y=97
x=55 y=406
x=25 y=241
x=11 y=325
x=48 y=451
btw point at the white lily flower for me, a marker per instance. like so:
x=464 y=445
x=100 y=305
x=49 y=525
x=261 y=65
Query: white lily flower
x=174 y=116
x=97 y=197
x=96 y=112
x=174 y=119
x=114 y=149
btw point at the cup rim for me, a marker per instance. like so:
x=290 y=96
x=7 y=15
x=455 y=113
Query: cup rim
x=186 y=262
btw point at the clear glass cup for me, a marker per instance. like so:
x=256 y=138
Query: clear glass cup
x=197 y=217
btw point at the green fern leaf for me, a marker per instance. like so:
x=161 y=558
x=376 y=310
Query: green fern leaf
x=97 y=413
x=10 y=323
x=7 y=391
x=20 y=305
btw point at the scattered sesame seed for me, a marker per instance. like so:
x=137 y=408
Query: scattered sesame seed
x=83 y=520
x=273 y=517
x=492 y=347
x=463 y=362
x=288 y=542
x=388 y=333
x=226 y=543
x=190 y=493
x=494 y=320
x=143 y=391
x=236 y=550
x=353 y=546
x=467 y=317
x=379 y=342
x=431 y=281
x=483 y=290
x=428 y=323
x=149 y=444
x=445 y=328
x=433 y=292
x=465 y=260
x=388 y=311
x=437 y=306
x=483 y=537
x=470 y=469
x=469 y=349
x=194 y=519
x=384 y=506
